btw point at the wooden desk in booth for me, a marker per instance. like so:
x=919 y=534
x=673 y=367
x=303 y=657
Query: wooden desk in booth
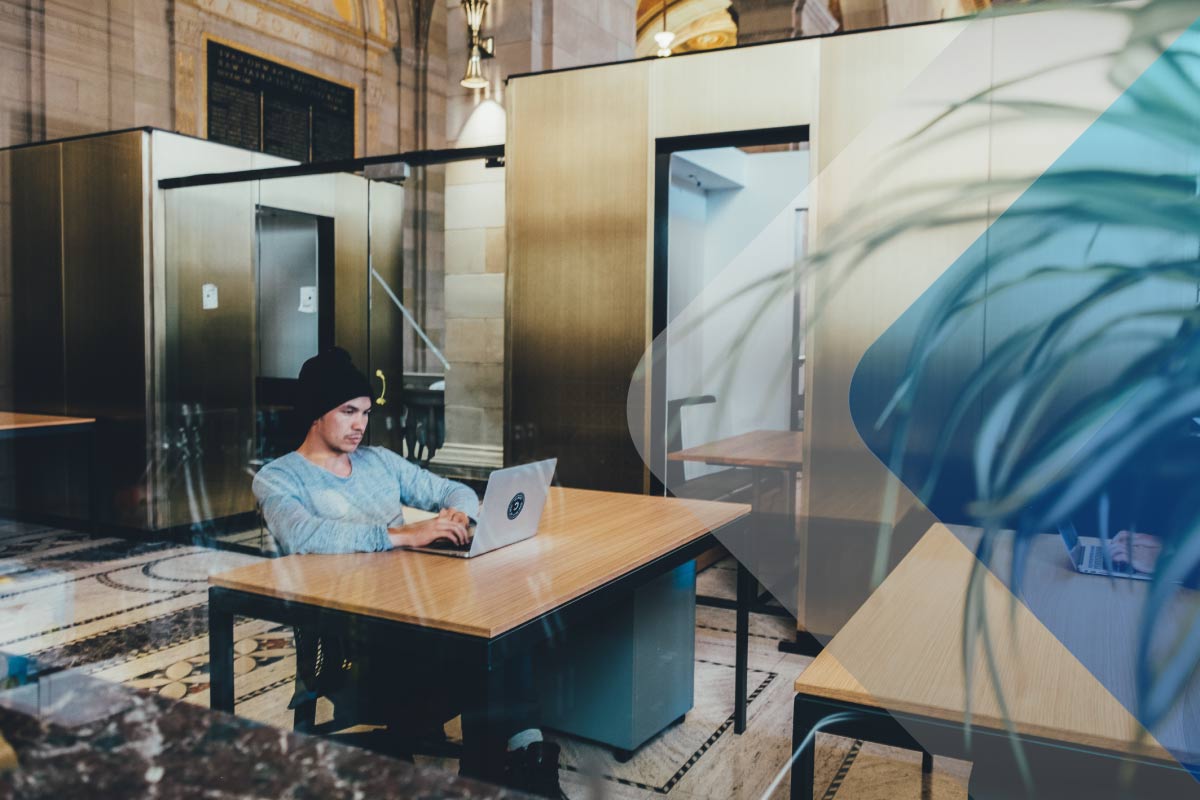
x=591 y=550
x=760 y=449
x=775 y=451
x=903 y=679
x=14 y=424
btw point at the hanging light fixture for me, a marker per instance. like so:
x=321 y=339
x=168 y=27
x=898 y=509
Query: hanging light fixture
x=481 y=47
x=664 y=38
x=474 y=79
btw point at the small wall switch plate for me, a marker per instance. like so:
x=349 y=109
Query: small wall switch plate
x=208 y=296
x=308 y=299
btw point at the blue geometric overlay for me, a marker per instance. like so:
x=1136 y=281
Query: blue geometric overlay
x=1050 y=378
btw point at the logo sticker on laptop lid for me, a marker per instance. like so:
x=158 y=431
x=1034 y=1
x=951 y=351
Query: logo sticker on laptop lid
x=516 y=505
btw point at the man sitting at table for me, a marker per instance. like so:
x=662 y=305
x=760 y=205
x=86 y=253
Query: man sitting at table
x=332 y=496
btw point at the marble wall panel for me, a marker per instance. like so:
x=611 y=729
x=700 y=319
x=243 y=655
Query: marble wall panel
x=496 y=255
x=477 y=341
x=481 y=385
x=479 y=205
x=465 y=251
x=475 y=296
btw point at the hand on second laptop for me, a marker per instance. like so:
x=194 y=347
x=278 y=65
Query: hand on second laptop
x=1145 y=550
x=448 y=524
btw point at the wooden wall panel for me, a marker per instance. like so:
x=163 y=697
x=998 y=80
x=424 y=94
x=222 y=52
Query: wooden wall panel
x=579 y=164
x=770 y=86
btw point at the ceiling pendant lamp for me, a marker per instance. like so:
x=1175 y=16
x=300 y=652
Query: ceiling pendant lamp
x=664 y=38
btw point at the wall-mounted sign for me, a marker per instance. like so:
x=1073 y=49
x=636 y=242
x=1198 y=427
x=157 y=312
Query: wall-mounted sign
x=260 y=105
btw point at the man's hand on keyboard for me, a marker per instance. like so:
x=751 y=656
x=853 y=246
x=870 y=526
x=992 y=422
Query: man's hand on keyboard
x=446 y=525
x=1139 y=549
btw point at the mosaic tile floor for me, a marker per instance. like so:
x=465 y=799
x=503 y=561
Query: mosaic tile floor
x=136 y=613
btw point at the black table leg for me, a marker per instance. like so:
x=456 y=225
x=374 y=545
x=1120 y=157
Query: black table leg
x=93 y=490
x=810 y=715
x=220 y=653
x=804 y=761
x=745 y=597
x=484 y=723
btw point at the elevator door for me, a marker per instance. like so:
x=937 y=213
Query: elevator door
x=288 y=290
x=294 y=254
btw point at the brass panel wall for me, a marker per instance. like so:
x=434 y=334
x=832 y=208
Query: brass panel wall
x=580 y=215
x=578 y=157
x=79 y=328
x=172 y=156
x=39 y=384
x=210 y=353
x=42 y=478
x=580 y=175
x=103 y=307
x=104 y=279
x=387 y=323
x=351 y=323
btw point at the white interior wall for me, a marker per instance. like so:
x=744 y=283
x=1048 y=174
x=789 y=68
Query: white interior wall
x=687 y=276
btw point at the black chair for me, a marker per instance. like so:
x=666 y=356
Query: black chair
x=424 y=424
x=325 y=668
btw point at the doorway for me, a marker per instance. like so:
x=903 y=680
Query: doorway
x=294 y=273
x=731 y=218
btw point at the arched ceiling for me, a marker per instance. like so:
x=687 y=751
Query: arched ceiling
x=697 y=25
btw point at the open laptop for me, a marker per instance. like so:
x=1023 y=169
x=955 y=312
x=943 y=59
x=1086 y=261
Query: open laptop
x=1087 y=556
x=510 y=512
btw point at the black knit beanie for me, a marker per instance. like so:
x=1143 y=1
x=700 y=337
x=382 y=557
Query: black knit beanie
x=328 y=380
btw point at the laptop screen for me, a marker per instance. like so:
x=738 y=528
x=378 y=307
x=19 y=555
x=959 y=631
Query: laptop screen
x=1069 y=535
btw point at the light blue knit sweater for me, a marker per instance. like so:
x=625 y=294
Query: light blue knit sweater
x=308 y=509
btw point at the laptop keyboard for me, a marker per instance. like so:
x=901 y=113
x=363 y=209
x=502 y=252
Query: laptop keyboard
x=446 y=544
x=1095 y=561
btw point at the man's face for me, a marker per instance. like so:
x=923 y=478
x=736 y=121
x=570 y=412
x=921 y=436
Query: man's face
x=342 y=429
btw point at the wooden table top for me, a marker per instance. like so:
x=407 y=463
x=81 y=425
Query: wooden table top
x=774 y=449
x=13 y=421
x=903 y=649
x=585 y=540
